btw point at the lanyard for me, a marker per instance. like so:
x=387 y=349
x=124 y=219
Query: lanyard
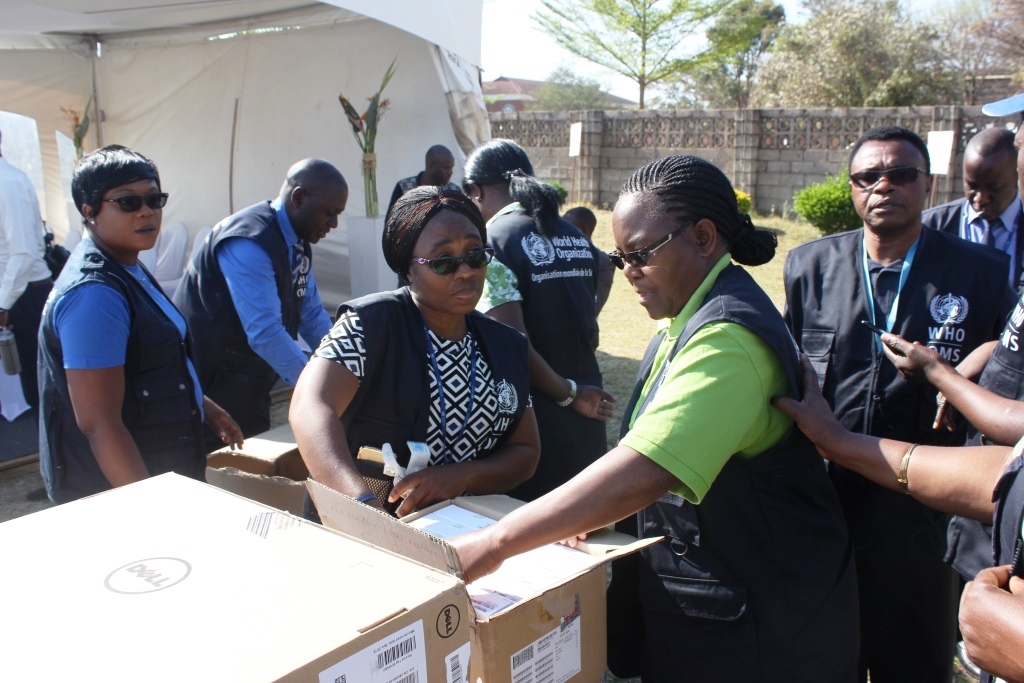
x=447 y=456
x=890 y=320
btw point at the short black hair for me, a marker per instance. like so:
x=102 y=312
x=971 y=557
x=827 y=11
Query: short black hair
x=695 y=189
x=991 y=142
x=106 y=168
x=886 y=133
x=581 y=214
x=410 y=215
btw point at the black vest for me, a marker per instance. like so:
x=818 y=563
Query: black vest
x=1009 y=517
x=949 y=218
x=558 y=281
x=768 y=540
x=969 y=542
x=159 y=410
x=392 y=403
x=1007 y=544
x=204 y=300
x=826 y=300
x=1004 y=372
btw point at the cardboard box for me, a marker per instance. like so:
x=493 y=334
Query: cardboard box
x=267 y=469
x=173 y=580
x=556 y=635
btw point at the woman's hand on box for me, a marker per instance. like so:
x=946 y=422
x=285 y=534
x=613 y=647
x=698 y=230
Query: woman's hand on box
x=428 y=486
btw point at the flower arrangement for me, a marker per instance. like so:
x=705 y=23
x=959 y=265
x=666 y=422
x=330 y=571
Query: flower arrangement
x=364 y=127
x=79 y=126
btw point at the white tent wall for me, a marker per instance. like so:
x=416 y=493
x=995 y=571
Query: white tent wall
x=37 y=83
x=175 y=102
x=171 y=94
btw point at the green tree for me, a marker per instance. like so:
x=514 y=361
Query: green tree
x=564 y=90
x=739 y=39
x=863 y=53
x=969 y=50
x=1005 y=25
x=644 y=40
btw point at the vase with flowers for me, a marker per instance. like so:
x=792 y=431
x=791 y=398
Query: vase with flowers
x=79 y=126
x=364 y=127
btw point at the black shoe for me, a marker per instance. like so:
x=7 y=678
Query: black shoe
x=36 y=496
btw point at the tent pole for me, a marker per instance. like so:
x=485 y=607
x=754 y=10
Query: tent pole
x=231 y=162
x=93 y=42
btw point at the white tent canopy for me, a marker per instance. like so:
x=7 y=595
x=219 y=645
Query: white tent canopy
x=224 y=101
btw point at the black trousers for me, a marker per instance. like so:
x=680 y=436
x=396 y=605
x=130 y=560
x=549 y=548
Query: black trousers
x=569 y=443
x=908 y=595
x=25 y=317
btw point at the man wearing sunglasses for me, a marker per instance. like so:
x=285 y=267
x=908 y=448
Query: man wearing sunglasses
x=998 y=367
x=991 y=211
x=928 y=286
x=249 y=292
x=24 y=276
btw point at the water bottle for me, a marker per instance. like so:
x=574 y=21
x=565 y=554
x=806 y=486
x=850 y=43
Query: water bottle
x=9 y=353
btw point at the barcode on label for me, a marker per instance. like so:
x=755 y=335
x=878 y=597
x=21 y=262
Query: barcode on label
x=522 y=657
x=411 y=678
x=456 y=669
x=341 y=679
x=396 y=652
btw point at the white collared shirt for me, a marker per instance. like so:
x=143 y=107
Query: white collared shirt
x=21 y=235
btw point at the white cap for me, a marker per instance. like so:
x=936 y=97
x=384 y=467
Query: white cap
x=1011 y=105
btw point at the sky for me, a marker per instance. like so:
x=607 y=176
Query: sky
x=513 y=46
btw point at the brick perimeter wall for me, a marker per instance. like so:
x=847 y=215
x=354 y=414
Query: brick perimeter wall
x=769 y=153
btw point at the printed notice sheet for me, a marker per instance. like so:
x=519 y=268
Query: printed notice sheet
x=520 y=577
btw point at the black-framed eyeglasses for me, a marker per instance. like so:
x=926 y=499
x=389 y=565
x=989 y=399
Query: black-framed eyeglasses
x=446 y=265
x=130 y=203
x=638 y=258
x=901 y=175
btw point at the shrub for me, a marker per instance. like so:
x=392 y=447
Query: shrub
x=742 y=201
x=828 y=206
x=563 y=194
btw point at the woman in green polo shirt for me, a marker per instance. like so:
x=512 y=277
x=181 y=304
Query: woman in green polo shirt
x=753 y=580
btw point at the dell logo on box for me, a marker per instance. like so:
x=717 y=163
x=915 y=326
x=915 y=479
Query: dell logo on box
x=148 y=576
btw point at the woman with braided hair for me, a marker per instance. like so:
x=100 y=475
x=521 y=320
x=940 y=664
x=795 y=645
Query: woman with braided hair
x=543 y=282
x=753 y=580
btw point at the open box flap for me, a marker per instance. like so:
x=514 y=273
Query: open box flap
x=367 y=524
x=362 y=522
x=266 y=447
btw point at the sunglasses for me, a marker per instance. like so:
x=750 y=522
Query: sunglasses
x=130 y=203
x=446 y=265
x=901 y=175
x=638 y=258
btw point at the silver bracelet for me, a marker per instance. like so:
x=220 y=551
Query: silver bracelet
x=572 y=395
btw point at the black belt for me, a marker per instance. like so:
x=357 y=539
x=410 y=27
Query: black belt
x=39 y=284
